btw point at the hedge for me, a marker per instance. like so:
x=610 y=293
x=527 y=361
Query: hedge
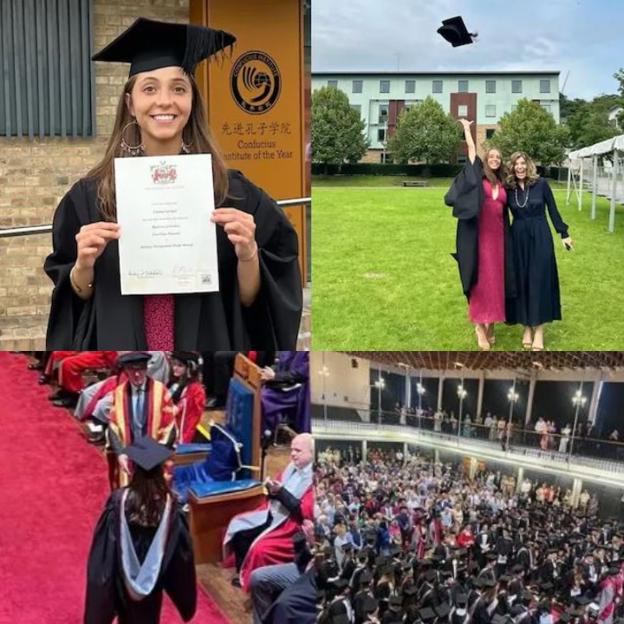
x=423 y=171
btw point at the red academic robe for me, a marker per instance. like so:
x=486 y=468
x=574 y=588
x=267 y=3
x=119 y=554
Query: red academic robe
x=160 y=417
x=72 y=367
x=190 y=409
x=276 y=546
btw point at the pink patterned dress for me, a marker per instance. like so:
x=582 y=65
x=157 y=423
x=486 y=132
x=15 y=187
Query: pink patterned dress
x=487 y=298
x=158 y=318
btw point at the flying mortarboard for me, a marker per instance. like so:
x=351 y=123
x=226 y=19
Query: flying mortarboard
x=147 y=453
x=455 y=32
x=149 y=44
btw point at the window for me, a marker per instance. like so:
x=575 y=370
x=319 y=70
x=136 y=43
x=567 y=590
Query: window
x=462 y=86
x=513 y=107
x=356 y=86
x=357 y=108
x=386 y=158
x=516 y=86
x=490 y=110
x=462 y=110
x=546 y=106
x=544 y=86
x=436 y=86
x=45 y=89
x=332 y=83
x=490 y=86
x=489 y=133
x=381 y=135
x=410 y=86
x=383 y=113
x=384 y=86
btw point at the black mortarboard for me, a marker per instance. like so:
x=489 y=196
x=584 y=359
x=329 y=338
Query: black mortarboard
x=369 y=605
x=340 y=584
x=410 y=590
x=518 y=568
x=455 y=32
x=504 y=578
x=442 y=610
x=347 y=546
x=488 y=582
x=426 y=614
x=491 y=556
x=546 y=587
x=394 y=550
x=147 y=453
x=582 y=600
x=431 y=575
x=461 y=600
x=499 y=618
x=148 y=44
x=185 y=356
x=396 y=602
x=133 y=357
x=517 y=609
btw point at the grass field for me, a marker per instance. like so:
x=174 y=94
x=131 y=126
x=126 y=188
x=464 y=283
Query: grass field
x=383 y=277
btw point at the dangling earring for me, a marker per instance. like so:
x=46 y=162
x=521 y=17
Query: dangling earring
x=186 y=147
x=132 y=150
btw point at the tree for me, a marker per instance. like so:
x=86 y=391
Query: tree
x=426 y=133
x=337 y=130
x=589 y=123
x=531 y=129
x=619 y=76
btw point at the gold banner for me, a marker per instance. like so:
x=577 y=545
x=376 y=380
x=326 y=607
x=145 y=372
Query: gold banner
x=255 y=98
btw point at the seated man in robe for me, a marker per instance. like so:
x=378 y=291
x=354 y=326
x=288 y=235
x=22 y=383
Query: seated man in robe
x=286 y=392
x=264 y=536
x=71 y=369
x=141 y=407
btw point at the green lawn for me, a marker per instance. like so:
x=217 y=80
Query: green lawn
x=384 y=278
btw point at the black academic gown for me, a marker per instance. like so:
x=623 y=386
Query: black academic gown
x=296 y=604
x=466 y=197
x=203 y=321
x=106 y=593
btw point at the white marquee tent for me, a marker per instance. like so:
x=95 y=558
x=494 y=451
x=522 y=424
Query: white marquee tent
x=606 y=179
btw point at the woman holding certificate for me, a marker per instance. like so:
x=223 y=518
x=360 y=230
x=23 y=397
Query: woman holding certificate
x=236 y=288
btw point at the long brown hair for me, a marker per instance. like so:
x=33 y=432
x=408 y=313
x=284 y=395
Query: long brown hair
x=147 y=496
x=531 y=170
x=498 y=176
x=198 y=137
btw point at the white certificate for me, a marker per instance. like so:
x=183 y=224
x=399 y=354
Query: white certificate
x=168 y=243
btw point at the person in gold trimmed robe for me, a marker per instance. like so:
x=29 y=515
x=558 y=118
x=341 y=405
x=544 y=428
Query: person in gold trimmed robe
x=141 y=407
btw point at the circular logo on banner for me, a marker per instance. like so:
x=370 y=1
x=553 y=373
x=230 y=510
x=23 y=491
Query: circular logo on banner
x=256 y=82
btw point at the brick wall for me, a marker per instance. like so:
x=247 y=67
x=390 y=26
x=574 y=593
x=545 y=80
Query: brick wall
x=35 y=174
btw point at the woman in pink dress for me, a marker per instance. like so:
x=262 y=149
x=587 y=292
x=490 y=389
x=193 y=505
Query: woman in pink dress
x=486 y=301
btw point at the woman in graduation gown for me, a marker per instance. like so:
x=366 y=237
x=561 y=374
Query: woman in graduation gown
x=187 y=393
x=538 y=300
x=483 y=239
x=141 y=547
x=160 y=112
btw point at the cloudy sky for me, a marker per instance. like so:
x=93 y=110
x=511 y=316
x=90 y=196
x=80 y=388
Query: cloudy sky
x=584 y=39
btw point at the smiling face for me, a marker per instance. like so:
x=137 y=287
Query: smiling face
x=161 y=101
x=494 y=159
x=520 y=168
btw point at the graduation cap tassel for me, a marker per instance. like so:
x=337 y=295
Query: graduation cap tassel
x=201 y=43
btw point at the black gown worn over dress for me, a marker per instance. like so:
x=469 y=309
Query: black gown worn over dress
x=203 y=321
x=106 y=593
x=537 y=282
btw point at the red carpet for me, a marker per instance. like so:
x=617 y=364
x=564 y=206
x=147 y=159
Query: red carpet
x=52 y=487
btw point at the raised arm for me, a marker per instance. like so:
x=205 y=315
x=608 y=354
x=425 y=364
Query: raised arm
x=472 y=150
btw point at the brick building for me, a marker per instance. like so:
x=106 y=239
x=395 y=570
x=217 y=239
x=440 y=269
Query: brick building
x=483 y=97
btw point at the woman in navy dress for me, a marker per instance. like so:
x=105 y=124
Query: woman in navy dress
x=537 y=281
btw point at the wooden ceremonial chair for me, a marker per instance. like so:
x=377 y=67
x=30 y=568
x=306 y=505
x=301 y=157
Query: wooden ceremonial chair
x=210 y=515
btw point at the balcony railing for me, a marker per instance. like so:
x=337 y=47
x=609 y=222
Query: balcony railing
x=550 y=448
